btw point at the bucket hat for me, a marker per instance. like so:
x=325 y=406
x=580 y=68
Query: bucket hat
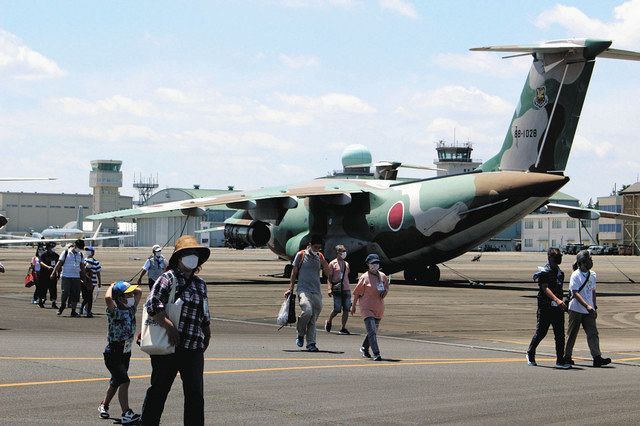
x=190 y=244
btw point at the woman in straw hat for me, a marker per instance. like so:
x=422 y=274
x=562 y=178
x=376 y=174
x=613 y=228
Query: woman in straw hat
x=190 y=336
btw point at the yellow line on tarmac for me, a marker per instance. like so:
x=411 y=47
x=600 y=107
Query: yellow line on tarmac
x=627 y=359
x=290 y=368
x=24 y=358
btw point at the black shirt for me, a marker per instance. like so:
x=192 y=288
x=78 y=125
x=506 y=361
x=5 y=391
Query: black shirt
x=551 y=278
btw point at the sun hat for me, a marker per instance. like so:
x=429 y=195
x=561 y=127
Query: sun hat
x=189 y=243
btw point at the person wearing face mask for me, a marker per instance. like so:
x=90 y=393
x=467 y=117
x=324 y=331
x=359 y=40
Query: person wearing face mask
x=153 y=266
x=550 y=308
x=582 y=309
x=190 y=335
x=306 y=272
x=339 y=289
x=372 y=288
x=122 y=301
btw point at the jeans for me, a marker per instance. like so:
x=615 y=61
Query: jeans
x=341 y=302
x=70 y=292
x=87 y=297
x=371 y=324
x=190 y=364
x=549 y=316
x=310 y=306
x=588 y=322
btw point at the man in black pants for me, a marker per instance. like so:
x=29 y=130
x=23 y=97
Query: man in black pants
x=551 y=308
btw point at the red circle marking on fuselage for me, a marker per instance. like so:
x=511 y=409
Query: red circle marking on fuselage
x=395 y=216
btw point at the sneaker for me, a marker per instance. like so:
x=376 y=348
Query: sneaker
x=54 y=305
x=60 y=311
x=104 y=411
x=89 y=315
x=313 y=348
x=129 y=417
x=569 y=361
x=599 y=361
x=74 y=314
x=41 y=304
x=377 y=358
x=344 y=331
x=562 y=366
x=34 y=302
x=531 y=359
x=327 y=326
x=300 y=341
x=365 y=352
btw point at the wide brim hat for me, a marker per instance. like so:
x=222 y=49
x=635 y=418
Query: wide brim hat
x=189 y=243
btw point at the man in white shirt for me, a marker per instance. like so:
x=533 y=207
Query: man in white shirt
x=72 y=265
x=582 y=310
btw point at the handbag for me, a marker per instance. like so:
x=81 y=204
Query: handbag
x=31 y=278
x=154 y=339
x=336 y=288
x=287 y=314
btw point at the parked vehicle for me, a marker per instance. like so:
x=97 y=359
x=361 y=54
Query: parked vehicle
x=572 y=248
x=595 y=250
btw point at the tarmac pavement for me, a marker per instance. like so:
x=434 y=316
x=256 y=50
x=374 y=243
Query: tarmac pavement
x=454 y=353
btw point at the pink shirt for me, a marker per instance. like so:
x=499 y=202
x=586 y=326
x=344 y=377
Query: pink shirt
x=336 y=273
x=371 y=304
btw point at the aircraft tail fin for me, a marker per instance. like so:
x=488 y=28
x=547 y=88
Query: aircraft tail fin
x=546 y=116
x=80 y=218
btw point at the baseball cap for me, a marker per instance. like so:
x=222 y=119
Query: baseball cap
x=156 y=248
x=122 y=287
x=372 y=258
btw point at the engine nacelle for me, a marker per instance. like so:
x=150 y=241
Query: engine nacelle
x=240 y=236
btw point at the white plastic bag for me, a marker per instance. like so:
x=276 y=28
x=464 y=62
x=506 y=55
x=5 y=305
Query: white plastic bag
x=154 y=339
x=283 y=315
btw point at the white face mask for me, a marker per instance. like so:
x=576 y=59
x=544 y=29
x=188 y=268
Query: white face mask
x=130 y=302
x=190 y=261
x=374 y=267
x=343 y=254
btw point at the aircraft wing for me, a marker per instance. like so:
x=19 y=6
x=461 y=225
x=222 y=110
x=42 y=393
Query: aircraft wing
x=333 y=190
x=33 y=241
x=589 y=214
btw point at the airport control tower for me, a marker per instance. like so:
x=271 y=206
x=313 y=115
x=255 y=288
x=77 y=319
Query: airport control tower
x=454 y=158
x=106 y=180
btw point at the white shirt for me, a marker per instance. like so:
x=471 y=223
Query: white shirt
x=72 y=261
x=577 y=279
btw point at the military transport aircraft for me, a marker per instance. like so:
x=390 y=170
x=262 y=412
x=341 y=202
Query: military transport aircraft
x=415 y=224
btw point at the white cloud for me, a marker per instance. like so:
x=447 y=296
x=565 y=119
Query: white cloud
x=401 y=7
x=300 y=61
x=237 y=142
x=271 y=115
x=623 y=28
x=460 y=98
x=584 y=145
x=116 y=104
x=484 y=63
x=19 y=61
x=331 y=102
x=173 y=95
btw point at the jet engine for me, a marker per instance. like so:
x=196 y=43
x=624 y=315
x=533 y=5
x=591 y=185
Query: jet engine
x=257 y=234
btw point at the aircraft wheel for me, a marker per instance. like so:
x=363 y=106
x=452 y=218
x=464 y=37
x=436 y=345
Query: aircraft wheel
x=410 y=275
x=429 y=275
x=287 y=271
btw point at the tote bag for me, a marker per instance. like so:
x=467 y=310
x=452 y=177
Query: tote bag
x=154 y=339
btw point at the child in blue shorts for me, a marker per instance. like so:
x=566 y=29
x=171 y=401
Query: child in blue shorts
x=122 y=300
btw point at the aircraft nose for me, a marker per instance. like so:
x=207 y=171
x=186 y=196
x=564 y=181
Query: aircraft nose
x=518 y=184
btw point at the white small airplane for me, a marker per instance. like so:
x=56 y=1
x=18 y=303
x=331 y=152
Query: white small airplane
x=61 y=235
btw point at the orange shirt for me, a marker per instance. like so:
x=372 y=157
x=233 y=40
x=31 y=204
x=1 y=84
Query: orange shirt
x=371 y=303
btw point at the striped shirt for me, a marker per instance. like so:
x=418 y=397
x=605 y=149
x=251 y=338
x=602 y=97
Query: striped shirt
x=93 y=264
x=195 y=309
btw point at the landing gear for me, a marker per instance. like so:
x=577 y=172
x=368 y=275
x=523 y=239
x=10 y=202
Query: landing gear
x=422 y=275
x=287 y=270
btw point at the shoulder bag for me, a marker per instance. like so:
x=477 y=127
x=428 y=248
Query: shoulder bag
x=570 y=294
x=154 y=339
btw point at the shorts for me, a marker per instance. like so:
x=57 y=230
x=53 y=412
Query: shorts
x=342 y=302
x=117 y=363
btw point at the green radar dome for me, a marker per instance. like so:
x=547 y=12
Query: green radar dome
x=356 y=156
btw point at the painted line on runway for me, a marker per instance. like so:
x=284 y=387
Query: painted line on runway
x=20 y=358
x=290 y=368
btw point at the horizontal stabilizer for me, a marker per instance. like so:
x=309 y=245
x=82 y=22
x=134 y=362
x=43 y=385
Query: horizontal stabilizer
x=589 y=214
x=591 y=47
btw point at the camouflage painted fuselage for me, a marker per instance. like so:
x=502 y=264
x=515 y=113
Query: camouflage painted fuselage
x=419 y=223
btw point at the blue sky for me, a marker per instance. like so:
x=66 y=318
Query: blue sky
x=260 y=93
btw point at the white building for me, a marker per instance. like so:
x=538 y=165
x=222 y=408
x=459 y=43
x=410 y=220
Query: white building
x=541 y=231
x=610 y=230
